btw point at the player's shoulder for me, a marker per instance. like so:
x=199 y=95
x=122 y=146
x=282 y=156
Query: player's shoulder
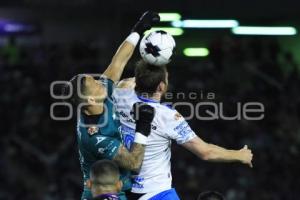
x=124 y=92
x=167 y=113
x=164 y=108
x=128 y=83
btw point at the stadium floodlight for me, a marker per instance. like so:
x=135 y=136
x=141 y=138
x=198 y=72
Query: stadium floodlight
x=209 y=23
x=196 y=52
x=171 y=30
x=168 y=17
x=263 y=30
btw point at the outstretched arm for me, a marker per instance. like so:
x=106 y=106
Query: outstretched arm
x=212 y=152
x=120 y=59
x=125 y=51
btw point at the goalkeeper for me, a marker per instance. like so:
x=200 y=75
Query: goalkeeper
x=98 y=136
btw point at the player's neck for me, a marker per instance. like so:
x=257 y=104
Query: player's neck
x=156 y=97
x=94 y=110
x=98 y=191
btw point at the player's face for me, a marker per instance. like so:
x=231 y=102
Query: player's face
x=95 y=89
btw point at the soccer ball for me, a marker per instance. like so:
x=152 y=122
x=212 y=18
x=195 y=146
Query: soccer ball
x=157 y=47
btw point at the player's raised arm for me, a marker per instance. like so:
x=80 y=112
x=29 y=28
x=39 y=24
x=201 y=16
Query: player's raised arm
x=125 y=51
x=211 y=152
x=132 y=160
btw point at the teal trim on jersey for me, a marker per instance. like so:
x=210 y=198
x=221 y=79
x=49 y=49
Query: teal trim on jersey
x=103 y=144
x=122 y=196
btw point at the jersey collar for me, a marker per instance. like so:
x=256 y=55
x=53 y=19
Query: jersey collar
x=147 y=100
x=154 y=101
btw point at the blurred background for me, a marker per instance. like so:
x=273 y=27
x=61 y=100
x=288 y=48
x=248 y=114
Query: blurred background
x=241 y=59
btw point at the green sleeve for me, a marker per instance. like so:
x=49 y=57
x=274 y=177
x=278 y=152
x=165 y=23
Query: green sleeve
x=109 y=85
x=105 y=147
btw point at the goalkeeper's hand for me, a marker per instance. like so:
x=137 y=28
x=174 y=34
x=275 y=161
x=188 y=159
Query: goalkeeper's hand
x=147 y=20
x=143 y=115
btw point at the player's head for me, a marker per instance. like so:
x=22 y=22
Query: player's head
x=87 y=90
x=210 y=195
x=150 y=79
x=104 y=178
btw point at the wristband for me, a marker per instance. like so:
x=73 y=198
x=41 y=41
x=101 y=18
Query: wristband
x=133 y=38
x=140 y=138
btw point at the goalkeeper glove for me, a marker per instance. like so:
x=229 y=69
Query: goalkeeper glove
x=143 y=115
x=147 y=20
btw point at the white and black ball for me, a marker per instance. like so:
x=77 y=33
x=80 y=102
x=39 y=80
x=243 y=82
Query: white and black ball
x=157 y=48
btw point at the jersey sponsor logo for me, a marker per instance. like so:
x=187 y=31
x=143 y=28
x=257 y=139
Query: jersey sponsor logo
x=177 y=116
x=138 y=182
x=128 y=140
x=100 y=139
x=127 y=136
x=121 y=113
x=183 y=129
x=130 y=120
x=125 y=117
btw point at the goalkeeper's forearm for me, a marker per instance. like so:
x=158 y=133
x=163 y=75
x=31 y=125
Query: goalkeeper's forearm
x=121 y=57
x=125 y=51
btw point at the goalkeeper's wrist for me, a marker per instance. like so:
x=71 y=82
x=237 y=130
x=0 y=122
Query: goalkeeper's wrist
x=133 y=38
x=140 y=138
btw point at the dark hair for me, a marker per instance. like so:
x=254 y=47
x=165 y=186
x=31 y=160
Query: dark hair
x=148 y=77
x=76 y=81
x=104 y=172
x=210 y=195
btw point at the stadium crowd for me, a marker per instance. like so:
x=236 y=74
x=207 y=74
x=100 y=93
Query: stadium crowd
x=39 y=158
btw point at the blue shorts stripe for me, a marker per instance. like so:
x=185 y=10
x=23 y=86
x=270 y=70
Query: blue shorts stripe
x=166 y=195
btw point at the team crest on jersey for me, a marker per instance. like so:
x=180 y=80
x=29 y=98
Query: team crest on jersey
x=177 y=116
x=92 y=130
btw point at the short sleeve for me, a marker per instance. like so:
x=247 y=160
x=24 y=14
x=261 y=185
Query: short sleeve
x=109 y=85
x=178 y=129
x=105 y=147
